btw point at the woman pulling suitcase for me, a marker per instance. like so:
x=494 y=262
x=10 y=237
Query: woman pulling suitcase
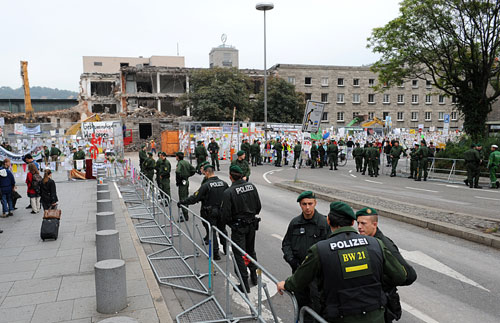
x=50 y=223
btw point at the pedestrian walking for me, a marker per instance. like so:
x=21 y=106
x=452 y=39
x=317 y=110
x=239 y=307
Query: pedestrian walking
x=7 y=186
x=240 y=206
x=153 y=146
x=350 y=268
x=48 y=194
x=34 y=183
x=183 y=171
x=367 y=219
x=303 y=232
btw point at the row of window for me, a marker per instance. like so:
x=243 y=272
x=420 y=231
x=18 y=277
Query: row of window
x=386 y=98
x=400 y=116
x=308 y=81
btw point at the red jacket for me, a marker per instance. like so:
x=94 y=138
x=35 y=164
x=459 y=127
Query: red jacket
x=29 y=180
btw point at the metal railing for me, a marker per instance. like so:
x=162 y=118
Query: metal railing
x=179 y=266
x=311 y=312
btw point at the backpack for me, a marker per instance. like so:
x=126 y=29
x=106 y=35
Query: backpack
x=36 y=183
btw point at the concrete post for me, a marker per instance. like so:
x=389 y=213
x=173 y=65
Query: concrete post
x=103 y=187
x=103 y=195
x=105 y=221
x=104 y=206
x=110 y=286
x=107 y=244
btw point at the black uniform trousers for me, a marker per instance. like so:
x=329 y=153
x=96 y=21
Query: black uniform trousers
x=215 y=160
x=215 y=220
x=243 y=236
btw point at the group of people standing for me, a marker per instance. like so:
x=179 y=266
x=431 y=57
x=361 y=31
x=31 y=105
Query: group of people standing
x=474 y=159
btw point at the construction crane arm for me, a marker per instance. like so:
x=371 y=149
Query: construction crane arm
x=73 y=130
x=28 y=108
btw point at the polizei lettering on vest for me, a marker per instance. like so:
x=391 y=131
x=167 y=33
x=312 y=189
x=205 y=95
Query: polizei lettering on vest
x=244 y=189
x=348 y=243
x=216 y=184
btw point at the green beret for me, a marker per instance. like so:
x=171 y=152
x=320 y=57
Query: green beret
x=150 y=154
x=367 y=211
x=342 y=209
x=208 y=166
x=306 y=195
x=163 y=153
x=235 y=169
x=179 y=153
x=142 y=146
x=241 y=152
x=204 y=163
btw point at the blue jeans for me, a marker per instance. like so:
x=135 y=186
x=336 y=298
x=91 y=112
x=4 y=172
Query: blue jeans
x=7 y=202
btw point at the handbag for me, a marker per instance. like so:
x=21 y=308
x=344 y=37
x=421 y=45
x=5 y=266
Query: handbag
x=52 y=213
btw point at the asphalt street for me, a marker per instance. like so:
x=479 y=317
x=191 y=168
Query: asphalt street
x=458 y=281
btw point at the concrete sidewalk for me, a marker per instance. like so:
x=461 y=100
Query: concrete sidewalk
x=53 y=281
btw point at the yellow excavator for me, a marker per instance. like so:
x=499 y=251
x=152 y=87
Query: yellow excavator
x=370 y=123
x=28 y=108
x=73 y=130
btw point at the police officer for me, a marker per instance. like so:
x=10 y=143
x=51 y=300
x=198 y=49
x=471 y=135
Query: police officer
x=493 y=165
x=357 y=153
x=142 y=157
x=243 y=164
x=240 y=205
x=79 y=155
x=373 y=160
x=395 y=154
x=279 y=152
x=304 y=231
x=366 y=158
x=210 y=195
x=314 y=154
x=350 y=268
x=333 y=154
x=201 y=155
x=367 y=219
x=472 y=165
x=163 y=173
x=414 y=161
x=245 y=146
x=297 y=150
x=423 y=154
x=321 y=152
x=255 y=151
x=149 y=166
x=183 y=171
x=213 y=149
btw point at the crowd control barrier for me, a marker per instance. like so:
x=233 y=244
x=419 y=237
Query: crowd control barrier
x=182 y=260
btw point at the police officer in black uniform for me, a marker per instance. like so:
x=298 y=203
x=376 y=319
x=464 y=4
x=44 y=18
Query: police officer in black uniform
x=303 y=232
x=210 y=194
x=240 y=205
x=350 y=269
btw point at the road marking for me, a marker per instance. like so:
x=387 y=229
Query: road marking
x=277 y=236
x=420 y=189
x=353 y=175
x=118 y=190
x=454 y=186
x=487 y=191
x=413 y=311
x=369 y=181
x=422 y=259
x=350 y=171
x=486 y=198
x=265 y=176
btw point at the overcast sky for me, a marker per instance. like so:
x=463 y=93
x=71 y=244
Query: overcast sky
x=53 y=35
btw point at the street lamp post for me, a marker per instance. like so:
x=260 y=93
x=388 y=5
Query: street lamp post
x=265 y=6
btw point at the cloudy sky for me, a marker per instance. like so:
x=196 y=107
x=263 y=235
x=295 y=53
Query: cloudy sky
x=53 y=35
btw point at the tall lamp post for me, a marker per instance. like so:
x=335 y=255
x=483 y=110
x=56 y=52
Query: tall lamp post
x=265 y=6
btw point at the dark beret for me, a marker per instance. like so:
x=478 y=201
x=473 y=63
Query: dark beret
x=306 y=195
x=342 y=209
x=235 y=169
x=367 y=211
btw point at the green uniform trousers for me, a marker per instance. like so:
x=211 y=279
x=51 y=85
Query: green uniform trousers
x=359 y=163
x=183 y=194
x=394 y=165
x=373 y=167
x=333 y=160
x=493 y=175
x=414 y=168
x=215 y=160
x=473 y=172
x=164 y=185
x=423 y=167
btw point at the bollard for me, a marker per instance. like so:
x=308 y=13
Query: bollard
x=104 y=206
x=105 y=221
x=119 y=319
x=110 y=286
x=107 y=245
x=103 y=187
x=103 y=195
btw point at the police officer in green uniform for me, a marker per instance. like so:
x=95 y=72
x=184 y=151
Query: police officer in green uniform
x=159 y=161
x=303 y=232
x=350 y=269
x=149 y=166
x=73 y=150
x=46 y=155
x=183 y=171
x=54 y=154
x=414 y=162
x=314 y=154
x=357 y=153
x=279 y=152
x=245 y=146
x=367 y=219
x=472 y=165
x=493 y=165
x=321 y=153
x=255 y=152
x=240 y=205
x=395 y=153
x=373 y=157
x=423 y=154
x=366 y=158
x=142 y=157
x=332 y=151
x=201 y=155
x=243 y=164
x=297 y=150
x=163 y=173
x=213 y=149
x=210 y=195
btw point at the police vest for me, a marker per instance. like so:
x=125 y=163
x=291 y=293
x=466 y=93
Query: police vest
x=352 y=267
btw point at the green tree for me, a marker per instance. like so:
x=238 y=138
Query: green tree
x=215 y=92
x=283 y=103
x=452 y=43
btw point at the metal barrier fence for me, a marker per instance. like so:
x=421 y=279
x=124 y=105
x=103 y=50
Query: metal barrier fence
x=177 y=265
x=311 y=312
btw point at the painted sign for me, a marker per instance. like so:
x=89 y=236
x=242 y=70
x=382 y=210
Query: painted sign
x=312 y=116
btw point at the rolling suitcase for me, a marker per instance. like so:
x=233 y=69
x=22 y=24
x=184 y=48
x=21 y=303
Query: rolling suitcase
x=50 y=229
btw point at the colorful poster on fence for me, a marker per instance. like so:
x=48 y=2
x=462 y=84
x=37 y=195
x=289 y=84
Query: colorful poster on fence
x=103 y=129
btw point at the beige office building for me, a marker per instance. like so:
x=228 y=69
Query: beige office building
x=347 y=92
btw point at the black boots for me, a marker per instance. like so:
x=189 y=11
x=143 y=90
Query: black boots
x=244 y=287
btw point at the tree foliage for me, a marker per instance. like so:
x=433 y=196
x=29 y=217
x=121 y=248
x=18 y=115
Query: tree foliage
x=283 y=103
x=215 y=92
x=453 y=43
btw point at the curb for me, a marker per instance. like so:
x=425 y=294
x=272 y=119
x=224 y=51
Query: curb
x=154 y=289
x=438 y=226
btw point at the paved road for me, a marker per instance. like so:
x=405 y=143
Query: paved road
x=457 y=280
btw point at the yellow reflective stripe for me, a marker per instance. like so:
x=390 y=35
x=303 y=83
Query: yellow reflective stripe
x=356 y=268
